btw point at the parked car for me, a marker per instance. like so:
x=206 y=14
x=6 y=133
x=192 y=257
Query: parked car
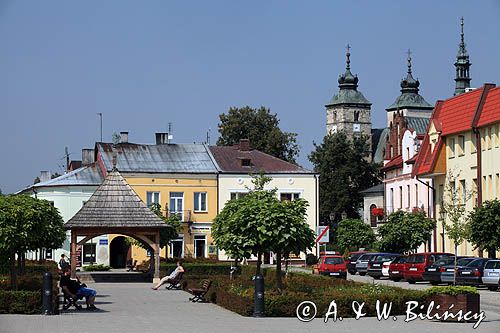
x=416 y=263
x=432 y=273
x=362 y=262
x=472 y=274
x=397 y=267
x=491 y=274
x=447 y=270
x=333 y=266
x=377 y=262
x=351 y=261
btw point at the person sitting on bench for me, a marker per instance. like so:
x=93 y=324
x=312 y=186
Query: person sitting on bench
x=75 y=289
x=171 y=277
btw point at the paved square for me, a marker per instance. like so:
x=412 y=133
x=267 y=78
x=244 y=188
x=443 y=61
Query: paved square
x=134 y=307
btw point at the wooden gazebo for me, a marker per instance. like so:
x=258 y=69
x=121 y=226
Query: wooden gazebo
x=115 y=208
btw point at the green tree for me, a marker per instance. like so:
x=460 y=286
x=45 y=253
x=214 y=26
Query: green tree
x=344 y=171
x=453 y=212
x=484 y=227
x=262 y=129
x=290 y=232
x=404 y=232
x=353 y=234
x=27 y=224
x=260 y=222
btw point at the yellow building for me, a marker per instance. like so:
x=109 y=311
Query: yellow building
x=461 y=152
x=181 y=178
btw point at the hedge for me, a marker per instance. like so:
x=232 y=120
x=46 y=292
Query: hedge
x=237 y=294
x=96 y=268
x=25 y=302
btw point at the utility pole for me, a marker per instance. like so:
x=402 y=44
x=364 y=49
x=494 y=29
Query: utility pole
x=66 y=154
x=100 y=117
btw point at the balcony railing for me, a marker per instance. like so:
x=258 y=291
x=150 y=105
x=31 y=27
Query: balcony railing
x=183 y=215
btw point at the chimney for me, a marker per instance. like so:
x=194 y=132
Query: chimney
x=45 y=176
x=161 y=138
x=244 y=145
x=123 y=137
x=87 y=156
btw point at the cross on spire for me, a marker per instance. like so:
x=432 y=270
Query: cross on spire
x=409 y=61
x=348 y=56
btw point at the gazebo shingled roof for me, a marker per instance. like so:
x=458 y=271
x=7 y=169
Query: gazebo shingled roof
x=115 y=204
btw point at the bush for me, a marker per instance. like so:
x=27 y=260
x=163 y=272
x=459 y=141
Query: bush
x=96 y=268
x=451 y=290
x=25 y=302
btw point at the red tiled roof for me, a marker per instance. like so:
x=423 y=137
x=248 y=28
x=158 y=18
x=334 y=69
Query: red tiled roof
x=229 y=159
x=457 y=113
x=396 y=162
x=491 y=109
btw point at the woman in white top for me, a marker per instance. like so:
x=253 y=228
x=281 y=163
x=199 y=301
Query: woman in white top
x=171 y=277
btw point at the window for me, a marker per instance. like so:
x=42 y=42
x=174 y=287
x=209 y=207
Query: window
x=177 y=204
x=463 y=191
x=497 y=136
x=416 y=195
x=200 y=201
x=461 y=145
x=48 y=254
x=453 y=192
x=489 y=138
x=483 y=190
x=407 y=153
x=177 y=247
x=152 y=198
x=474 y=192
x=473 y=141
x=237 y=195
x=391 y=199
x=401 y=197
x=356 y=116
x=289 y=196
x=451 y=144
x=483 y=139
x=409 y=196
x=490 y=188
x=373 y=218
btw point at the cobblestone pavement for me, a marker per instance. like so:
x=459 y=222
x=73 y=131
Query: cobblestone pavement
x=134 y=307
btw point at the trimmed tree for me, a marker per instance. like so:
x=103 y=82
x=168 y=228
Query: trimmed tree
x=353 y=234
x=404 y=232
x=484 y=227
x=261 y=127
x=27 y=224
x=344 y=171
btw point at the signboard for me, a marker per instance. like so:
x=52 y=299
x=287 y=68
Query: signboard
x=78 y=256
x=323 y=234
x=103 y=242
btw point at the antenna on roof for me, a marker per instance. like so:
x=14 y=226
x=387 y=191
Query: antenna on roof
x=208 y=136
x=100 y=117
x=66 y=154
x=170 y=136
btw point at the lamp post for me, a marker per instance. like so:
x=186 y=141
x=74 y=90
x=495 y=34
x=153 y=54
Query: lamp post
x=442 y=216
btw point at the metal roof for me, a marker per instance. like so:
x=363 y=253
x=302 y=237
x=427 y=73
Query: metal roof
x=114 y=204
x=88 y=175
x=379 y=142
x=418 y=124
x=161 y=158
x=379 y=188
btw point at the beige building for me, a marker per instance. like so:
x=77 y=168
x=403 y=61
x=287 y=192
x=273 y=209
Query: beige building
x=461 y=153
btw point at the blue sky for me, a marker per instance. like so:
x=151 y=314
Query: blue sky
x=144 y=64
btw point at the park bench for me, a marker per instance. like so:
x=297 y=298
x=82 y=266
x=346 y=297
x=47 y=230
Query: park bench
x=176 y=283
x=199 y=293
x=69 y=301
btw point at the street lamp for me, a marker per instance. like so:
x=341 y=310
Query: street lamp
x=442 y=215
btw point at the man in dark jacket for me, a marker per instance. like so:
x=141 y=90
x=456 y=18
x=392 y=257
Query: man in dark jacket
x=75 y=289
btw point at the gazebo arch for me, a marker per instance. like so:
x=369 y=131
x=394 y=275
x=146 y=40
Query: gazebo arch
x=115 y=208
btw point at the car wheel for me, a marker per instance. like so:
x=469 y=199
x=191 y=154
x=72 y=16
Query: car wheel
x=376 y=277
x=352 y=272
x=434 y=283
x=396 y=279
x=362 y=274
x=493 y=288
x=411 y=281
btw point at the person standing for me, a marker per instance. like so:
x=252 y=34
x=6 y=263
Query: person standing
x=63 y=264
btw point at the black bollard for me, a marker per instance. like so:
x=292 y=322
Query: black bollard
x=47 y=308
x=258 y=310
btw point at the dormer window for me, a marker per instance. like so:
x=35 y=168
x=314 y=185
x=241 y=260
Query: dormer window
x=246 y=162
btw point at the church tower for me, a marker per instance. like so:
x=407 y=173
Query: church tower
x=348 y=110
x=462 y=65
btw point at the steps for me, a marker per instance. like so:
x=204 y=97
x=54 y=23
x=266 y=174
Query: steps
x=112 y=276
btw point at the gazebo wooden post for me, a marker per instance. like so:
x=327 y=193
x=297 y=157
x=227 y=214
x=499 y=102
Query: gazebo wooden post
x=156 y=277
x=73 y=253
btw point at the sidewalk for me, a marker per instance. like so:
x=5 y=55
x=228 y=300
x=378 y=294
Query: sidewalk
x=134 y=307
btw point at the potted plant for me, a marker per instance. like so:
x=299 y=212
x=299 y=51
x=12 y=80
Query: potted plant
x=463 y=298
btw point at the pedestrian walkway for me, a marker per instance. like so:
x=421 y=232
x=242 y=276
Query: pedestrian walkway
x=134 y=307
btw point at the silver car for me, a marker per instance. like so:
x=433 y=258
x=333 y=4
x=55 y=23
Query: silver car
x=362 y=263
x=491 y=274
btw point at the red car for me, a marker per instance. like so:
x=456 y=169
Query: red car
x=333 y=265
x=416 y=263
x=397 y=268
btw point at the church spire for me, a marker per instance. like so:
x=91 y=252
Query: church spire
x=462 y=64
x=348 y=80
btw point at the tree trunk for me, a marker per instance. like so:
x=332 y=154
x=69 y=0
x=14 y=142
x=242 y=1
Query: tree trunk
x=19 y=263
x=455 y=267
x=279 y=281
x=23 y=262
x=259 y=262
x=13 y=272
